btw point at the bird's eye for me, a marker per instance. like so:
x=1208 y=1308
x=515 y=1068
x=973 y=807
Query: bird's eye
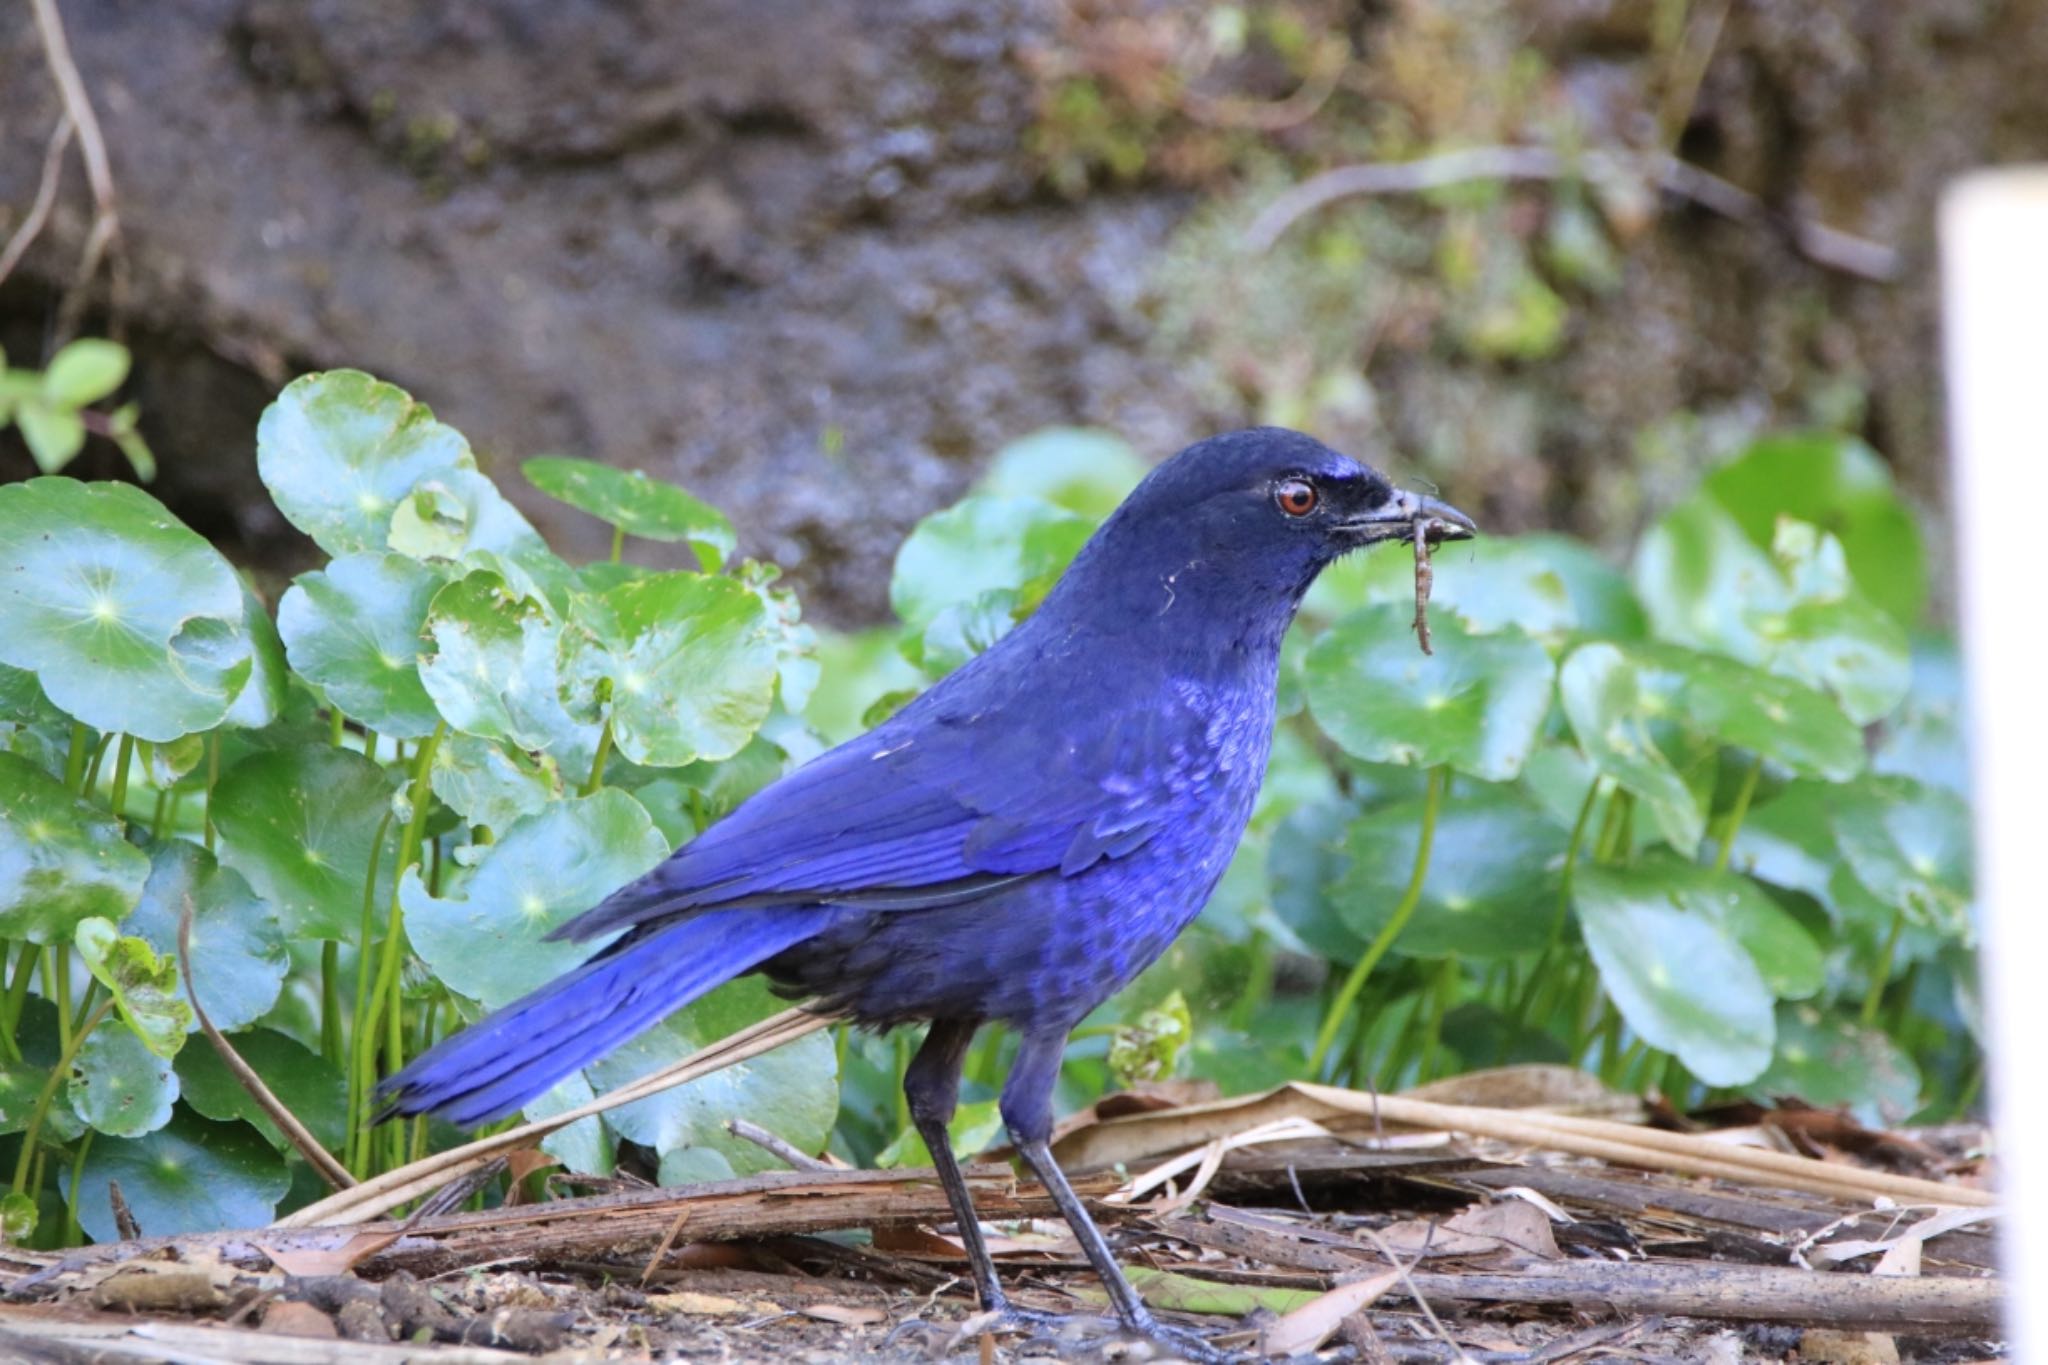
x=1297 y=497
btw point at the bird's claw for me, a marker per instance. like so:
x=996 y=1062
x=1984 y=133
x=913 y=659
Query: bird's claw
x=1071 y=1330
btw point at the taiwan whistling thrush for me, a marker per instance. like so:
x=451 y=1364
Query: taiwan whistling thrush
x=1014 y=845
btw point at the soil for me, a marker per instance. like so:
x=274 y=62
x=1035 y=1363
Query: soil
x=804 y=259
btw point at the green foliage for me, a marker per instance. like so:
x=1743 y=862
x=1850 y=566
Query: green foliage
x=1636 y=820
x=409 y=766
x=52 y=410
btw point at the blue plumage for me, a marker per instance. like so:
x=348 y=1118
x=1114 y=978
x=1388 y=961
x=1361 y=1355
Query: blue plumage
x=1016 y=844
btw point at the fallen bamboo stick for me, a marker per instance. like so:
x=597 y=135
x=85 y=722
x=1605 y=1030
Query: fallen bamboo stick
x=372 y=1198
x=1867 y=1303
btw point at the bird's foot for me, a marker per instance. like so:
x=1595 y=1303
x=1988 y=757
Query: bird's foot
x=1077 y=1331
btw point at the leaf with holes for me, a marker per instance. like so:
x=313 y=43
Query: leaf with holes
x=494 y=671
x=61 y=860
x=300 y=825
x=1910 y=845
x=688 y=660
x=490 y=785
x=544 y=870
x=338 y=452
x=145 y=987
x=1476 y=705
x=131 y=621
x=353 y=629
x=119 y=1086
x=636 y=504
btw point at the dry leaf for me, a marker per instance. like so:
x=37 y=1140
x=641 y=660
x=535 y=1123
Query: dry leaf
x=1848 y=1348
x=1549 y=1087
x=157 y=1287
x=1420 y=1237
x=1514 y=1225
x=1315 y=1322
x=701 y=1305
x=845 y=1314
x=306 y=1262
x=297 y=1320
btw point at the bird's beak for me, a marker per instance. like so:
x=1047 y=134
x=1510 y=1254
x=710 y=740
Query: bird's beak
x=1396 y=519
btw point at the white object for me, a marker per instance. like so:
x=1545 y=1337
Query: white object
x=1994 y=252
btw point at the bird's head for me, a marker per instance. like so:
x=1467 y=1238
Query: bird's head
x=1238 y=526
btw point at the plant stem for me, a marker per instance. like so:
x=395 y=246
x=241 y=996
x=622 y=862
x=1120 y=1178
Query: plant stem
x=60 y=991
x=156 y=818
x=1432 y=801
x=41 y=1110
x=369 y=744
x=1737 y=813
x=330 y=1001
x=357 y=1088
x=74 y=757
x=73 y=1233
x=123 y=758
x=1881 y=974
x=1543 y=966
x=92 y=772
x=386 y=985
x=618 y=543
x=335 y=726
x=604 y=751
x=17 y=991
x=212 y=776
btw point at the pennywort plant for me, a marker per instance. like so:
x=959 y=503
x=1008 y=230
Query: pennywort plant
x=370 y=808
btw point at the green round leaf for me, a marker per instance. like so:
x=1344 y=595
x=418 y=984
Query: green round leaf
x=306 y=1083
x=131 y=621
x=85 y=371
x=145 y=986
x=1476 y=705
x=1082 y=469
x=489 y=785
x=1308 y=855
x=962 y=630
x=1840 y=484
x=189 y=1176
x=1735 y=704
x=494 y=674
x=792 y=1091
x=61 y=860
x=1543 y=585
x=980 y=544
x=1681 y=978
x=1699 y=578
x=20 y=1084
x=1491 y=889
x=261 y=700
x=545 y=870
x=299 y=824
x=339 y=450
x=55 y=434
x=1910 y=845
x=238 y=949
x=1828 y=1060
x=690 y=660
x=1605 y=701
x=354 y=629
x=636 y=504
x=462 y=517
x=118 y=1086
x=1789 y=841
x=1924 y=741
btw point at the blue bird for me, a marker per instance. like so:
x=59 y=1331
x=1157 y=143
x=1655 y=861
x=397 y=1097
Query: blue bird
x=1014 y=845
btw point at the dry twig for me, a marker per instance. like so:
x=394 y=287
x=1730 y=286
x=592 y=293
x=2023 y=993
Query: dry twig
x=310 y=1147
x=103 y=238
x=781 y=1147
x=46 y=198
x=1823 y=245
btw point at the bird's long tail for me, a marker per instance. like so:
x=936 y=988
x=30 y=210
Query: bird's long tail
x=507 y=1059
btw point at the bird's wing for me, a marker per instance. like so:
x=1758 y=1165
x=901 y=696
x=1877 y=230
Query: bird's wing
x=931 y=809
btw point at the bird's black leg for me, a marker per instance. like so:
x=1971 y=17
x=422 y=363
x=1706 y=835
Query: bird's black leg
x=1027 y=1112
x=932 y=1085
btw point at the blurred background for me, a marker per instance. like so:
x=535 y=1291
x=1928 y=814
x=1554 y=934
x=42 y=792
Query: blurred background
x=819 y=262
